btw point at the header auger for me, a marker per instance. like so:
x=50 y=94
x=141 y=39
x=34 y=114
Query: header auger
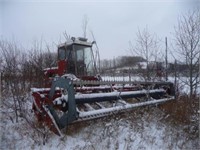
x=76 y=93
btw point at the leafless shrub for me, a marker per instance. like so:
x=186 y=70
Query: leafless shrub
x=187 y=39
x=20 y=70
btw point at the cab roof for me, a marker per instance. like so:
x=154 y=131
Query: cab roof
x=79 y=41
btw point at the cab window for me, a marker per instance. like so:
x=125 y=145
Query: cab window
x=61 y=53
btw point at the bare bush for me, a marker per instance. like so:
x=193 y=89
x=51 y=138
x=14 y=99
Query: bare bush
x=11 y=57
x=21 y=70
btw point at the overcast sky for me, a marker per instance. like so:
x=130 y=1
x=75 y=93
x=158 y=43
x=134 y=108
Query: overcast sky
x=114 y=23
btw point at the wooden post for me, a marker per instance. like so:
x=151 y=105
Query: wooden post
x=1 y=85
x=129 y=73
x=175 y=75
x=166 y=62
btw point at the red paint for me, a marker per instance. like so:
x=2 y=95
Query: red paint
x=62 y=65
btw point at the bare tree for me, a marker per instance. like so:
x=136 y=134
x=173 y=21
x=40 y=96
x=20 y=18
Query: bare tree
x=36 y=60
x=146 y=46
x=187 y=38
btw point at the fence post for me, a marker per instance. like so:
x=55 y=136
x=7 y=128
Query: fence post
x=129 y=76
x=1 y=86
x=175 y=81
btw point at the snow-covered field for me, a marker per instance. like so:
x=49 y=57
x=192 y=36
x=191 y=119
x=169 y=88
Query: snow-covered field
x=142 y=128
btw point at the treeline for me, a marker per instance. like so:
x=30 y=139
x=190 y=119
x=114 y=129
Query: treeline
x=133 y=63
x=120 y=61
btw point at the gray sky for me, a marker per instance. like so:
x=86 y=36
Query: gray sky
x=114 y=23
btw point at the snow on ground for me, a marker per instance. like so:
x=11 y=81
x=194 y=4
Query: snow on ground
x=143 y=128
